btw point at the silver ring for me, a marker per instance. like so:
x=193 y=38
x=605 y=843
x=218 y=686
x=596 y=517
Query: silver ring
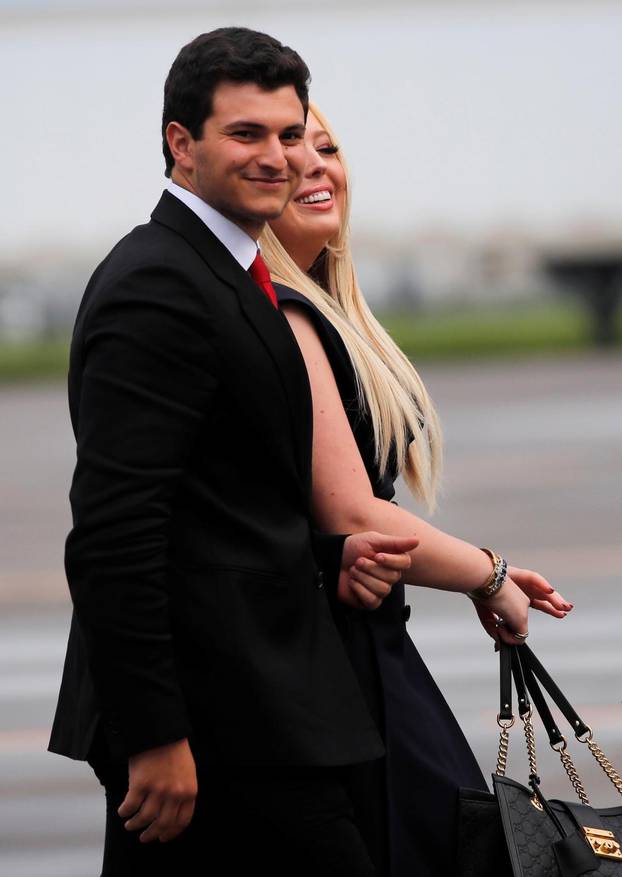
x=522 y=636
x=499 y=622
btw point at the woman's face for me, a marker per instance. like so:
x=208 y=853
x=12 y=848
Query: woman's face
x=315 y=212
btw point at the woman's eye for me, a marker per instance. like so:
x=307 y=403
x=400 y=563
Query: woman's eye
x=329 y=149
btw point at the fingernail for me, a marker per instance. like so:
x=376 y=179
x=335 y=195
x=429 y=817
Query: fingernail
x=380 y=558
x=551 y=591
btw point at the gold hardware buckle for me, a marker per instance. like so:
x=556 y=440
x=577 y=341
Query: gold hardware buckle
x=603 y=843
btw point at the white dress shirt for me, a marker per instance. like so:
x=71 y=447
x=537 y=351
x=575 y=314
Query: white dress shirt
x=241 y=246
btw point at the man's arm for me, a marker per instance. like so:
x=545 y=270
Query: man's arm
x=328 y=550
x=147 y=383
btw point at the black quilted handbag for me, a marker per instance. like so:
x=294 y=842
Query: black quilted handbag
x=517 y=832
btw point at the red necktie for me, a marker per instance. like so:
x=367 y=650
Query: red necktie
x=260 y=274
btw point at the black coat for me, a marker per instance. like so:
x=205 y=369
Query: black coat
x=199 y=609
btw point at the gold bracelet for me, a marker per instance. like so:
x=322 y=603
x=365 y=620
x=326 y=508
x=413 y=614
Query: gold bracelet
x=494 y=581
x=495 y=560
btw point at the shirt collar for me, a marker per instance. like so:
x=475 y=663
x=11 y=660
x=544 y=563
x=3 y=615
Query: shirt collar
x=241 y=246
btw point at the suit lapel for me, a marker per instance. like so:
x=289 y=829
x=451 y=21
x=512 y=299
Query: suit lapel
x=269 y=324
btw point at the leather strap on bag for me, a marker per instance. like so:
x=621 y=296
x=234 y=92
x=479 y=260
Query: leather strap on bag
x=505 y=681
x=576 y=722
x=524 y=704
x=540 y=703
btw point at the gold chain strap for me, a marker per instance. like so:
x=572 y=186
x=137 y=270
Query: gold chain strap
x=571 y=770
x=566 y=760
x=531 y=742
x=602 y=759
x=530 y=739
x=504 y=740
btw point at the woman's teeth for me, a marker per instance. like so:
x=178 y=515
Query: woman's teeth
x=317 y=196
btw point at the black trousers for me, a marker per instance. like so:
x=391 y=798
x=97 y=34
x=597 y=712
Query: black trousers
x=284 y=821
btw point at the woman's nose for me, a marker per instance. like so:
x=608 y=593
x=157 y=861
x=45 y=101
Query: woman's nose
x=315 y=164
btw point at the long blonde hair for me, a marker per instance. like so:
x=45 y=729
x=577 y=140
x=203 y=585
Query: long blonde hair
x=403 y=418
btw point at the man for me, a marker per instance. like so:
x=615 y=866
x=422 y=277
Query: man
x=202 y=651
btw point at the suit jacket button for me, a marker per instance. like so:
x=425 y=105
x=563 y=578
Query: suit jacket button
x=405 y=613
x=320 y=580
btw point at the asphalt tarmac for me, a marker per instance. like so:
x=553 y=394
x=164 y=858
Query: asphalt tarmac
x=533 y=469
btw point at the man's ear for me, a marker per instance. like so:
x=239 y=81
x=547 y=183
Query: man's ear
x=181 y=143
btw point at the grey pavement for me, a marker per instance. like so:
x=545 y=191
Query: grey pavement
x=533 y=469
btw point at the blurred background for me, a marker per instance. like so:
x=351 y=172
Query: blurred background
x=484 y=140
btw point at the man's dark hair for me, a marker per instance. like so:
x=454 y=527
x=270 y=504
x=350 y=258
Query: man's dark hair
x=229 y=54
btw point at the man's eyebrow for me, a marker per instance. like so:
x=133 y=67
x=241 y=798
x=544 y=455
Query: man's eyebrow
x=257 y=126
x=242 y=123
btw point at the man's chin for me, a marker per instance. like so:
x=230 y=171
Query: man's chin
x=256 y=214
x=269 y=210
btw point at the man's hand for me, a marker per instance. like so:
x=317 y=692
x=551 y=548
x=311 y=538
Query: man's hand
x=162 y=791
x=371 y=564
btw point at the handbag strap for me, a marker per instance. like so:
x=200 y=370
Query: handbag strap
x=505 y=716
x=505 y=682
x=525 y=712
x=524 y=704
x=533 y=670
x=555 y=735
x=556 y=739
x=557 y=696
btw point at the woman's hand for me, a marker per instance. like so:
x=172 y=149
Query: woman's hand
x=509 y=605
x=542 y=596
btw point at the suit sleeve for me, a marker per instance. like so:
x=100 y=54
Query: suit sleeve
x=327 y=549
x=148 y=380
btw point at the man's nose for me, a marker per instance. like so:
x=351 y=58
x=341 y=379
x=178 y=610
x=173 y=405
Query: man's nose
x=273 y=154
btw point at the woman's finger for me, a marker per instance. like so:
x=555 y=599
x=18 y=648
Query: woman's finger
x=538 y=588
x=488 y=620
x=508 y=637
x=545 y=606
x=530 y=582
x=558 y=602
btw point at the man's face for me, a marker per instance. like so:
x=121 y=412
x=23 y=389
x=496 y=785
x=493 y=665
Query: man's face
x=251 y=156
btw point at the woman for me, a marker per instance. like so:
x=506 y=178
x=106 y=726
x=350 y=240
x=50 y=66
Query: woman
x=374 y=419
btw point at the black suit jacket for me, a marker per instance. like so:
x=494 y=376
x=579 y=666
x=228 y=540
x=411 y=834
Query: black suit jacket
x=199 y=609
